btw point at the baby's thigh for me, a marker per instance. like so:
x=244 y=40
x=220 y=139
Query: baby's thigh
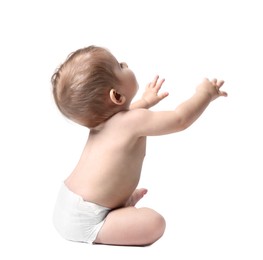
x=131 y=226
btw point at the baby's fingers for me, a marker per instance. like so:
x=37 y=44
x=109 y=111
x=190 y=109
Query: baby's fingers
x=156 y=83
x=163 y=95
x=152 y=84
x=220 y=83
x=223 y=93
x=159 y=84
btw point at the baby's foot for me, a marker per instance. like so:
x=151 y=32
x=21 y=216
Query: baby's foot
x=135 y=197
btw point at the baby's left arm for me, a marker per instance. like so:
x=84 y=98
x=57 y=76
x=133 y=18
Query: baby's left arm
x=150 y=96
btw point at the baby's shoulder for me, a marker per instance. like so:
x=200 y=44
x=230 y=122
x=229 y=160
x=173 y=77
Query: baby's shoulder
x=122 y=126
x=130 y=116
x=125 y=120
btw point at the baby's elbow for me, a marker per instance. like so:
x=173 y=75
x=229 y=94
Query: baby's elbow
x=180 y=124
x=181 y=128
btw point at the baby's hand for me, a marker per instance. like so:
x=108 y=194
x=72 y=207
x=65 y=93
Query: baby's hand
x=150 y=95
x=212 y=88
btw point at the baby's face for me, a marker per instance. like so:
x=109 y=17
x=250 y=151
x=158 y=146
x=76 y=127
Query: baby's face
x=129 y=85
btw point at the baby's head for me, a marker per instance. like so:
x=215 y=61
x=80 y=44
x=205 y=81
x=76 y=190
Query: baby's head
x=87 y=87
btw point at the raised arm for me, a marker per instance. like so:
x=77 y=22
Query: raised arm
x=190 y=110
x=165 y=122
x=151 y=95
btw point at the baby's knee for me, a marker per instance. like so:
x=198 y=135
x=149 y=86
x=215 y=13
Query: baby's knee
x=160 y=225
x=156 y=225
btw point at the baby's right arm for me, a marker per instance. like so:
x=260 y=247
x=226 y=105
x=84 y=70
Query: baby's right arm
x=149 y=123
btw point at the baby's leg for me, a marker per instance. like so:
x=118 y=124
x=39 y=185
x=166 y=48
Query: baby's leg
x=131 y=226
x=135 y=197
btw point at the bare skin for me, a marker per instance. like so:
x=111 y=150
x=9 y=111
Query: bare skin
x=109 y=168
x=135 y=197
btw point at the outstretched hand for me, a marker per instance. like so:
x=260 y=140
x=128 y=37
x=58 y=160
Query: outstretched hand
x=151 y=94
x=212 y=87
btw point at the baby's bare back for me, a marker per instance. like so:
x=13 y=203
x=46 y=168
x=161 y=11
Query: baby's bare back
x=110 y=165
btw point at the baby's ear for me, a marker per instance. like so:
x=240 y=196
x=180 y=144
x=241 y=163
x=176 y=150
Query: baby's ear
x=116 y=97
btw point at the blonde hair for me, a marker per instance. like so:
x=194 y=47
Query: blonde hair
x=81 y=86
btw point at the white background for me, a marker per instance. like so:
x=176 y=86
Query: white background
x=206 y=181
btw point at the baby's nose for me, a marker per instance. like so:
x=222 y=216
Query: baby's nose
x=124 y=64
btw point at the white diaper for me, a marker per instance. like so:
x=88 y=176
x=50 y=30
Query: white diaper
x=76 y=219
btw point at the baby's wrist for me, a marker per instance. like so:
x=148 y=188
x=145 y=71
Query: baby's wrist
x=204 y=93
x=146 y=104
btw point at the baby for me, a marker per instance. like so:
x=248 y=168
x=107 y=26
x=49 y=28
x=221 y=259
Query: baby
x=96 y=202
